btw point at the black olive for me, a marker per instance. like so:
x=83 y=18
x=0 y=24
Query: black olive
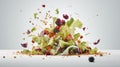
x=91 y=59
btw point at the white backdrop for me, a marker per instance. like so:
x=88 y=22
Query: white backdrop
x=15 y=14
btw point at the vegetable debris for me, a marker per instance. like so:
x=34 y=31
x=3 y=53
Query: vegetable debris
x=59 y=38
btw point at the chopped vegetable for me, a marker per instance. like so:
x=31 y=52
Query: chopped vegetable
x=24 y=45
x=33 y=29
x=65 y=16
x=60 y=38
x=57 y=11
x=35 y=15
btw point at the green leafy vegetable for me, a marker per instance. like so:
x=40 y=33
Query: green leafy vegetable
x=59 y=38
x=83 y=46
x=94 y=50
x=35 y=15
x=33 y=29
x=70 y=22
x=57 y=11
x=26 y=51
x=76 y=36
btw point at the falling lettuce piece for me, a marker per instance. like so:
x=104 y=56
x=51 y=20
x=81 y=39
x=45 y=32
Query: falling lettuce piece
x=83 y=46
x=54 y=20
x=64 y=31
x=35 y=15
x=36 y=39
x=34 y=52
x=33 y=29
x=94 y=50
x=70 y=22
x=52 y=51
x=51 y=41
x=25 y=51
x=57 y=11
x=63 y=43
x=76 y=36
x=76 y=23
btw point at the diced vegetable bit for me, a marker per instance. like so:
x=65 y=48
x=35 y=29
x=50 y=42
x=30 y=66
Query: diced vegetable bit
x=43 y=5
x=28 y=32
x=47 y=53
x=57 y=11
x=24 y=45
x=81 y=37
x=35 y=15
x=94 y=50
x=68 y=37
x=65 y=16
x=38 y=49
x=76 y=36
x=36 y=39
x=95 y=43
x=56 y=30
x=51 y=34
x=33 y=29
x=58 y=22
x=73 y=51
x=34 y=52
x=54 y=21
x=83 y=46
x=62 y=22
x=26 y=51
x=46 y=31
x=84 y=28
x=70 y=22
x=33 y=41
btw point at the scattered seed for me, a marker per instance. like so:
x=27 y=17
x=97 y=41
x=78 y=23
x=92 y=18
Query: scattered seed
x=14 y=56
x=43 y=58
x=78 y=55
x=101 y=54
x=3 y=56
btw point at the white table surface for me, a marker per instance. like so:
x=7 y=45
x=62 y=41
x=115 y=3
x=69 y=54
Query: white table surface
x=112 y=60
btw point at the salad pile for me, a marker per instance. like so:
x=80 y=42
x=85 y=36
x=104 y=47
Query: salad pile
x=59 y=38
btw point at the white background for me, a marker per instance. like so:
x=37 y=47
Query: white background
x=15 y=14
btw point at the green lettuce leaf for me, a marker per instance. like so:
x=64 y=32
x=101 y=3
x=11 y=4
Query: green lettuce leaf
x=35 y=15
x=76 y=36
x=33 y=29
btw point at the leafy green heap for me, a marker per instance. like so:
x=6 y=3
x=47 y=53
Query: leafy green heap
x=60 y=39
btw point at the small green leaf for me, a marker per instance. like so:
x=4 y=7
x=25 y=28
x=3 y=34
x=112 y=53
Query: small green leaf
x=54 y=20
x=57 y=11
x=94 y=50
x=26 y=51
x=83 y=46
x=35 y=15
x=76 y=36
x=37 y=39
x=70 y=22
x=33 y=29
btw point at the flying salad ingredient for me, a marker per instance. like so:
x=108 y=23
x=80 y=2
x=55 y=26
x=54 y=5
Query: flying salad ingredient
x=59 y=38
